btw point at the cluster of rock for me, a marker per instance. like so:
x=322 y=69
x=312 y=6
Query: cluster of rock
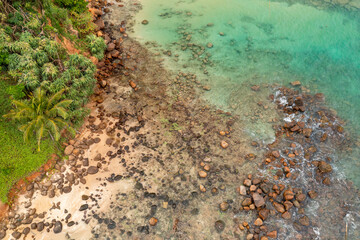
x=269 y=197
x=269 y=200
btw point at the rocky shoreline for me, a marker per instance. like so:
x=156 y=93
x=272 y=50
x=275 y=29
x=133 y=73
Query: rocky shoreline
x=153 y=161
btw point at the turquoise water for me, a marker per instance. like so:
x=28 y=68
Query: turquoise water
x=263 y=42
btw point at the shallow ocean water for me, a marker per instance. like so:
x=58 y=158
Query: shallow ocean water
x=256 y=42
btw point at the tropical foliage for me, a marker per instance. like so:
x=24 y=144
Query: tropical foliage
x=77 y=6
x=41 y=115
x=17 y=158
x=96 y=46
x=35 y=70
x=39 y=61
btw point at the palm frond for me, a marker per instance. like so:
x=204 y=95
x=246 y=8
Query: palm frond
x=54 y=98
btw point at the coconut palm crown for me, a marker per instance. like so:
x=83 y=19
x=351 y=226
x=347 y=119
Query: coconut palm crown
x=41 y=115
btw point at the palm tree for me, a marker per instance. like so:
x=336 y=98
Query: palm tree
x=42 y=115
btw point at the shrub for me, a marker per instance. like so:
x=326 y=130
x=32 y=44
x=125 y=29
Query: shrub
x=82 y=22
x=35 y=62
x=77 y=6
x=41 y=115
x=16 y=92
x=96 y=46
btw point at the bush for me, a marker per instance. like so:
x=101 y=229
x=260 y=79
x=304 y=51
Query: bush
x=96 y=46
x=77 y=6
x=35 y=61
x=82 y=22
x=16 y=92
x=4 y=55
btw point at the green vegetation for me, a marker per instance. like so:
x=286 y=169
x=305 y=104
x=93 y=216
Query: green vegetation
x=47 y=86
x=77 y=6
x=96 y=46
x=17 y=159
x=42 y=115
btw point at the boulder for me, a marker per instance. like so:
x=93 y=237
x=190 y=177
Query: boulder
x=16 y=234
x=84 y=207
x=246 y=202
x=99 y=24
x=304 y=221
x=153 y=221
x=258 y=200
x=258 y=222
x=264 y=213
x=57 y=227
x=288 y=195
x=224 y=206
x=324 y=167
x=242 y=190
x=272 y=234
x=219 y=226
x=224 y=144
x=68 y=150
x=92 y=170
x=279 y=207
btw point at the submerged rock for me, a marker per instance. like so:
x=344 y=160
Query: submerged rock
x=324 y=167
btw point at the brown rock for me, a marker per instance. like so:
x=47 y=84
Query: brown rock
x=279 y=207
x=288 y=205
x=304 y=221
x=312 y=194
x=202 y=188
x=258 y=200
x=153 y=221
x=103 y=83
x=255 y=88
x=301 y=197
x=224 y=206
x=296 y=83
x=68 y=150
x=247 y=182
x=246 y=202
x=326 y=181
x=258 y=222
x=209 y=45
x=324 y=167
x=242 y=190
x=307 y=132
x=264 y=213
x=275 y=154
x=132 y=84
x=286 y=215
x=92 y=170
x=99 y=24
x=224 y=144
x=110 y=47
x=288 y=195
x=202 y=174
x=256 y=181
x=272 y=234
x=145 y=22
